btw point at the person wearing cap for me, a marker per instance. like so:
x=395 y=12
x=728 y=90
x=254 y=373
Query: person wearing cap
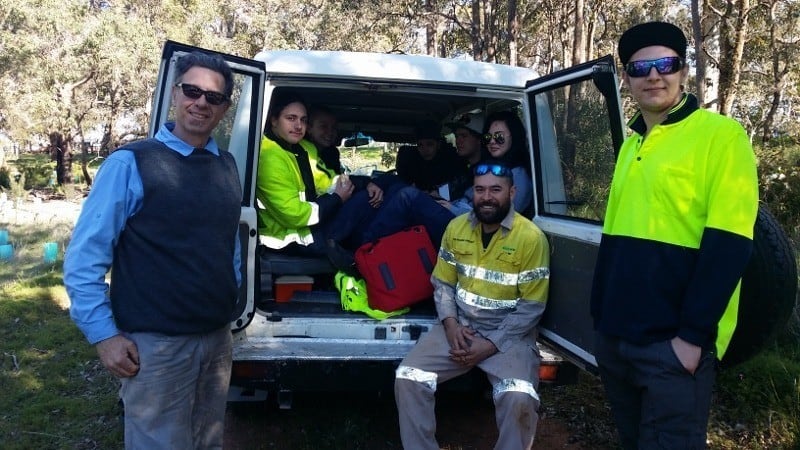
x=468 y=132
x=412 y=206
x=677 y=237
x=491 y=283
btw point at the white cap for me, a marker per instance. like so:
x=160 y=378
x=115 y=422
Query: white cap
x=472 y=122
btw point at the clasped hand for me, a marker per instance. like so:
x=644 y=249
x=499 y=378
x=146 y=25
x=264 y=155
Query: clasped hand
x=466 y=346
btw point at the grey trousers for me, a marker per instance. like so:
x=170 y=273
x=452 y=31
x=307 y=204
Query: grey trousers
x=178 y=398
x=514 y=376
x=655 y=402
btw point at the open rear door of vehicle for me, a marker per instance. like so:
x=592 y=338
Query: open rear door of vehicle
x=577 y=129
x=239 y=133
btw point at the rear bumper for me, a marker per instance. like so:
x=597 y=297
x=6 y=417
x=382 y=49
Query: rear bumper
x=314 y=364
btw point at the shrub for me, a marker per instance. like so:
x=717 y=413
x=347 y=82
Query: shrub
x=779 y=180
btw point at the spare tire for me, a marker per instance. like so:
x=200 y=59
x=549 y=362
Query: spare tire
x=769 y=291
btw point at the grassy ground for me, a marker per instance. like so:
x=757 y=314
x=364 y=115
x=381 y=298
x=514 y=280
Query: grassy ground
x=54 y=393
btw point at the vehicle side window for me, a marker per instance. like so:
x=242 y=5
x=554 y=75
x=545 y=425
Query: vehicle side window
x=576 y=153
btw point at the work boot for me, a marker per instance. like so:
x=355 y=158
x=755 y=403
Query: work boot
x=340 y=258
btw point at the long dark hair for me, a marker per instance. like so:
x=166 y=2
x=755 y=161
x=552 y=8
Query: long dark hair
x=517 y=155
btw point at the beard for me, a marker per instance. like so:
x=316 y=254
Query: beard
x=492 y=216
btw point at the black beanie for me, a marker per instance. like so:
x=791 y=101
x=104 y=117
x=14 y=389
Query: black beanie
x=651 y=33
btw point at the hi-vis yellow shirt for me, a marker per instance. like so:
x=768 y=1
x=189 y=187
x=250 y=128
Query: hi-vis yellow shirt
x=686 y=176
x=678 y=230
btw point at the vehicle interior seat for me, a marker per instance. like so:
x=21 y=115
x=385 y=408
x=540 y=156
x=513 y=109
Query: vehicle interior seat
x=274 y=264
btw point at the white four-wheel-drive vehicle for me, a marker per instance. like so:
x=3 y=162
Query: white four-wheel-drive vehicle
x=574 y=125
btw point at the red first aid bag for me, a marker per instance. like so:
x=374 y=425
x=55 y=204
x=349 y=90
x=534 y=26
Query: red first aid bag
x=397 y=268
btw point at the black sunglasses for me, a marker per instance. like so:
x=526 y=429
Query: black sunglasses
x=194 y=92
x=497 y=136
x=664 y=66
x=495 y=169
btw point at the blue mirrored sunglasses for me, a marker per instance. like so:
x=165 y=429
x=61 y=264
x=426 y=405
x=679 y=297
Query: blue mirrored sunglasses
x=494 y=169
x=664 y=66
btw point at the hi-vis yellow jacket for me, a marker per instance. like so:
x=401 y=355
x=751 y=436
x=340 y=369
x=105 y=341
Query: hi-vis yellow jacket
x=285 y=213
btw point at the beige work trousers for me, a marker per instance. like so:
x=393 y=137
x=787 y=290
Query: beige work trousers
x=515 y=411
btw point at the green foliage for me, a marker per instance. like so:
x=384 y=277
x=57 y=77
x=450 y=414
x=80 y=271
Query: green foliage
x=36 y=168
x=779 y=179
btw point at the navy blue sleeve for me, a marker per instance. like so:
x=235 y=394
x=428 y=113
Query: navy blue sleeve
x=721 y=261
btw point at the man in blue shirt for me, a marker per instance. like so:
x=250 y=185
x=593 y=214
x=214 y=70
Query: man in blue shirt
x=163 y=215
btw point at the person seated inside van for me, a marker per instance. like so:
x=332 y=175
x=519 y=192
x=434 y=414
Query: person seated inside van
x=287 y=190
x=505 y=137
x=505 y=140
x=297 y=206
x=323 y=133
x=432 y=164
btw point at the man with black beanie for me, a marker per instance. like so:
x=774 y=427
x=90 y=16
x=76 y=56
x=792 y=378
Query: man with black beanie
x=676 y=239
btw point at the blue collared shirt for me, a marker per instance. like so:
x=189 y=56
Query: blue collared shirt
x=116 y=195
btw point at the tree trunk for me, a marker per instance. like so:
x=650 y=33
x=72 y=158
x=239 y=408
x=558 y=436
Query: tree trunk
x=513 y=31
x=430 y=29
x=733 y=34
x=590 y=29
x=573 y=94
x=578 y=42
x=475 y=31
x=490 y=30
x=778 y=77
x=85 y=163
x=61 y=154
x=699 y=52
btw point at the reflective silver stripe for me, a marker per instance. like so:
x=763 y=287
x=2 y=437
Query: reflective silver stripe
x=417 y=375
x=273 y=242
x=496 y=276
x=539 y=273
x=313 y=219
x=492 y=276
x=447 y=256
x=482 y=302
x=514 y=385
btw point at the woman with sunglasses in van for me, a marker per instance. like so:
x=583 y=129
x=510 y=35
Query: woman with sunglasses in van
x=504 y=138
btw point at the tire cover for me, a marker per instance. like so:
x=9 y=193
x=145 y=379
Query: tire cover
x=769 y=291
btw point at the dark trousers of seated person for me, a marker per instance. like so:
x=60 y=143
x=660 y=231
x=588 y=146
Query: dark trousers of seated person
x=408 y=207
x=345 y=229
x=354 y=219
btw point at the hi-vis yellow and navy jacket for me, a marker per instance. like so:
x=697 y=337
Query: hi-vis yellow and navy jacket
x=678 y=230
x=288 y=198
